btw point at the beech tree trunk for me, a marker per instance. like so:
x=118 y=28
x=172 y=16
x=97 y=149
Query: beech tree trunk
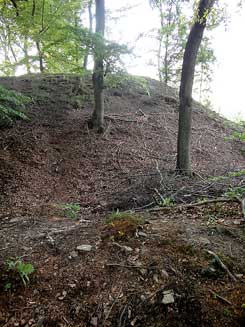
x=97 y=120
x=186 y=86
x=40 y=57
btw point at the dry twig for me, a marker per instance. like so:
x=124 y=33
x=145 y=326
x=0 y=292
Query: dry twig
x=220 y=297
x=222 y=265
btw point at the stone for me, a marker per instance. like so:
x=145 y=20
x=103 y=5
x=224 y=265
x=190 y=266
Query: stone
x=239 y=276
x=84 y=248
x=62 y=296
x=94 y=321
x=164 y=273
x=123 y=247
x=142 y=234
x=168 y=297
x=73 y=254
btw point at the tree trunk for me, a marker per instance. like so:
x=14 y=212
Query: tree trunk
x=26 y=58
x=159 y=53
x=90 y=14
x=97 y=120
x=40 y=57
x=185 y=93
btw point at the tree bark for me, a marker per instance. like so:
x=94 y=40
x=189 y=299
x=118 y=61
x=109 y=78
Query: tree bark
x=186 y=86
x=97 y=120
x=40 y=57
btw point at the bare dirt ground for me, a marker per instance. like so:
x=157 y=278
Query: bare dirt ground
x=124 y=277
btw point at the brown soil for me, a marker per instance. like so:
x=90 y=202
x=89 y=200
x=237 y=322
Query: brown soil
x=54 y=159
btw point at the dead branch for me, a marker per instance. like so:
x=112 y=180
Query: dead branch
x=190 y=205
x=220 y=297
x=222 y=265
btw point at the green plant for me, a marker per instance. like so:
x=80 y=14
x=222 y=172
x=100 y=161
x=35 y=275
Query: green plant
x=227 y=313
x=235 y=192
x=11 y=105
x=23 y=270
x=71 y=210
x=167 y=202
x=7 y=286
x=125 y=216
x=121 y=79
x=212 y=220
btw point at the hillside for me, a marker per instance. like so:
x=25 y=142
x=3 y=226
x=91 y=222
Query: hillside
x=54 y=160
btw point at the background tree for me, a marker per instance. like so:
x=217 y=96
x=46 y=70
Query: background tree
x=187 y=77
x=172 y=36
x=97 y=120
x=44 y=35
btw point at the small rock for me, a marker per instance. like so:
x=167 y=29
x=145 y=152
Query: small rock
x=155 y=278
x=73 y=254
x=123 y=247
x=84 y=248
x=62 y=296
x=72 y=285
x=15 y=220
x=142 y=234
x=31 y=322
x=164 y=273
x=239 y=276
x=94 y=321
x=168 y=297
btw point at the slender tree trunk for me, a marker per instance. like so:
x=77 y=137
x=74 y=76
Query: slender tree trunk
x=90 y=15
x=27 y=62
x=97 y=120
x=40 y=56
x=166 y=56
x=159 y=53
x=186 y=86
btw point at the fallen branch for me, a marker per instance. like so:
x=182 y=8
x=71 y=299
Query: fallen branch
x=124 y=266
x=222 y=265
x=190 y=205
x=220 y=297
x=121 y=119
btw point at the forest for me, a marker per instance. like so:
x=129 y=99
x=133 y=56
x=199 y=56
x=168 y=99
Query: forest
x=122 y=196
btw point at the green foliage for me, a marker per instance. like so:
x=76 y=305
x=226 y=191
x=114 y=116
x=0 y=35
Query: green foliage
x=125 y=216
x=50 y=36
x=71 y=210
x=235 y=192
x=21 y=268
x=121 y=79
x=212 y=220
x=239 y=173
x=12 y=104
x=42 y=30
x=238 y=136
x=167 y=202
x=172 y=36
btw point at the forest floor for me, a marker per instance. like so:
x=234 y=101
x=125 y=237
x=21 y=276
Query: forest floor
x=158 y=260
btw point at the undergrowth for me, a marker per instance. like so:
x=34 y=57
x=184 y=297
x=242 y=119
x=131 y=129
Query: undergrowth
x=12 y=104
